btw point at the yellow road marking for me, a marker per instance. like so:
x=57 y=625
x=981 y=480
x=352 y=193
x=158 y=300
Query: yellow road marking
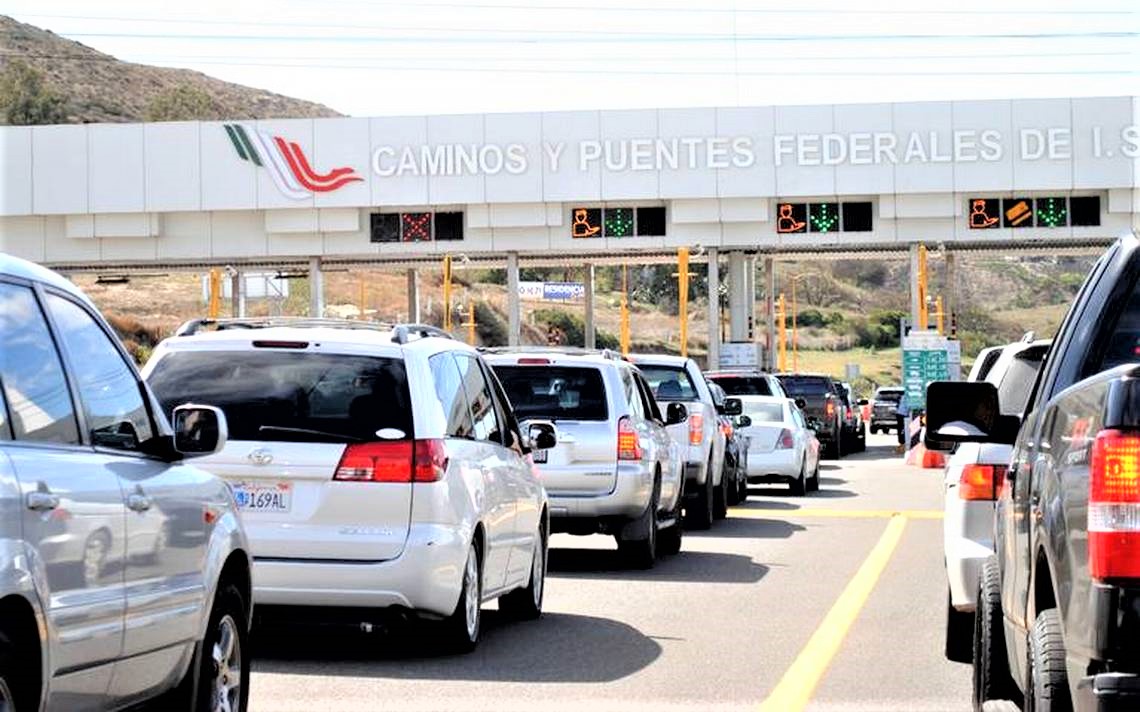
x=795 y=688
x=838 y=513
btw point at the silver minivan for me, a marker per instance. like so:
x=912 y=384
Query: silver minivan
x=124 y=573
x=614 y=470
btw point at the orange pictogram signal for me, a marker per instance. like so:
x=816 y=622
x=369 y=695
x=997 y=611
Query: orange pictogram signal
x=979 y=216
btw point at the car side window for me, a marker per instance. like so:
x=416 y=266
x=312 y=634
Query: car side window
x=632 y=395
x=503 y=407
x=117 y=415
x=449 y=390
x=483 y=415
x=31 y=372
x=5 y=431
x=648 y=401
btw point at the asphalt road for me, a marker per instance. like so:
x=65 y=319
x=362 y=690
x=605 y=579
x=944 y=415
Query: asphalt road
x=830 y=602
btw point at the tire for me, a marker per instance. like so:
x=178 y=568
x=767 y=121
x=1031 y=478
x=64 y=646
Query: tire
x=874 y=430
x=221 y=663
x=831 y=450
x=642 y=553
x=799 y=486
x=11 y=687
x=959 y=634
x=700 y=514
x=743 y=488
x=1048 y=686
x=525 y=604
x=813 y=481
x=992 y=679
x=669 y=540
x=460 y=630
x=720 y=498
x=733 y=485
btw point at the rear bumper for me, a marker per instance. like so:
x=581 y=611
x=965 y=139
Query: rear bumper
x=773 y=466
x=696 y=466
x=1108 y=692
x=425 y=577
x=629 y=498
x=964 y=560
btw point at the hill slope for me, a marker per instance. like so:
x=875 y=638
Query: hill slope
x=100 y=88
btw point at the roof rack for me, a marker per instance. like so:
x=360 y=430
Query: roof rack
x=401 y=333
x=567 y=350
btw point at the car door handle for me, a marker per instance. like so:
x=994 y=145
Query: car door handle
x=42 y=501
x=138 y=502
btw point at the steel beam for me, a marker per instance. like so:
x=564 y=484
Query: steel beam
x=714 y=308
x=588 y=283
x=514 y=309
x=413 y=296
x=316 y=288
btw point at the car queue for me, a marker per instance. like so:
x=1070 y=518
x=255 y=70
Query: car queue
x=385 y=470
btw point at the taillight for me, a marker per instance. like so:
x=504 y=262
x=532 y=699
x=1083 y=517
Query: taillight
x=629 y=446
x=696 y=428
x=726 y=429
x=1114 y=505
x=396 y=461
x=829 y=408
x=849 y=414
x=981 y=482
x=528 y=361
x=785 y=441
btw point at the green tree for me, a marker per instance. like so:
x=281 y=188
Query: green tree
x=24 y=98
x=184 y=102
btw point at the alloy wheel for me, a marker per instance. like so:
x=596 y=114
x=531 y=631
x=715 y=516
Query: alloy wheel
x=7 y=704
x=538 y=572
x=226 y=654
x=471 y=600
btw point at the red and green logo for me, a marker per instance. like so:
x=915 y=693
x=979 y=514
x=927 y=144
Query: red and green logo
x=286 y=163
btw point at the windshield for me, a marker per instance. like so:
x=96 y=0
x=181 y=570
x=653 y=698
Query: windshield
x=806 y=385
x=764 y=412
x=271 y=395
x=888 y=396
x=555 y=392
x=743 y=385
x=670 y=383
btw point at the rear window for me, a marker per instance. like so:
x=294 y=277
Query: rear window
x=555 y=392
x=743 y=385
x=1013 y=391
x=764 y=412
x=892 y=396
x=670 y=383
x=273 y=395
x=806 y=385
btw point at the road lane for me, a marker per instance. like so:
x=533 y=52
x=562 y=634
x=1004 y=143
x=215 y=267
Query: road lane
x=715 y=627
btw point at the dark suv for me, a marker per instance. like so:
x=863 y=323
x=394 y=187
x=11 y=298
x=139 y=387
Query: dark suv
x=820 y=400
x=884 y=405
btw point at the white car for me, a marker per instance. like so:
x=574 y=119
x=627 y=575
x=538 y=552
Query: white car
x=781 y=446
x=375 y=468
x=615 y=469
x=974 y=475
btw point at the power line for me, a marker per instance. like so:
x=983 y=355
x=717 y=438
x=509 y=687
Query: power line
x=580 y=39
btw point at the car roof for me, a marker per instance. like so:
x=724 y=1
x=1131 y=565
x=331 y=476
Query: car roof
x=15 y=267
x=555 y=357
x=804 y=374
x=659 y=359
x=764 y=399
x=737 y=374
x=331 y=337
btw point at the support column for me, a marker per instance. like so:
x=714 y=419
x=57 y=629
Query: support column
x=914 y=297
x=413 y=296
x=588 y=283
x=770 y=312
x=950 y=298
x=714 y=308
x=316 y=288
x=237 y=294
x=750 y=296
x=514 y=310
x=738 y=301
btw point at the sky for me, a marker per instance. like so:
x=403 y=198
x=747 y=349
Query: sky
x=392 y=57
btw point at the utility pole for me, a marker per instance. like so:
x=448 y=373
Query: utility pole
x=923 y=308
x=447 y=292
x=624 y=310
x=683 y=297
x=782 y=328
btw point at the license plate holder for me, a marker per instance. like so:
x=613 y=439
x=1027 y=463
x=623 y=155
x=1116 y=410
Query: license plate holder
x=263 y=497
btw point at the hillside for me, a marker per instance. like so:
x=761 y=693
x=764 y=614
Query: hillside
x=97 y=87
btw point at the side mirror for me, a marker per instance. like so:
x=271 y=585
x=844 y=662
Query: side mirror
x=966 y=412
x=801 y=403
x=541 y=434
x=743 y=421
x=733 y=406
x=676 y=413
x=199 y=429
x=864 y=401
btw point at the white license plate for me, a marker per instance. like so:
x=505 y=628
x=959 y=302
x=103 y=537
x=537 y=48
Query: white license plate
x=269 y=497
x=539 y=456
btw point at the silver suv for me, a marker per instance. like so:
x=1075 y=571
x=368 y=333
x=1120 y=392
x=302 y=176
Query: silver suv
x=615 y=470
x=676 y=379
x=377 y=468
x=125 y=572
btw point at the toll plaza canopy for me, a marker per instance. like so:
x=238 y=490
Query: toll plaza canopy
x=586 y=184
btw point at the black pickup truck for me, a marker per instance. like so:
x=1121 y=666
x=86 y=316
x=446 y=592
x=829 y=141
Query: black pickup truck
x=1058 y=616
x=821 y=402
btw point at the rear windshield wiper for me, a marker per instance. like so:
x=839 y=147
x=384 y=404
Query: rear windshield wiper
x=334 y=437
